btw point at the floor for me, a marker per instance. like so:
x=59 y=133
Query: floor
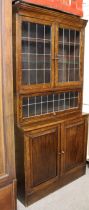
x=74 y=196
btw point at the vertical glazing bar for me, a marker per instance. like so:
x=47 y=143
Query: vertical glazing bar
x=28 y=107
x=28 y=53
x=35 y=105
x=44 y=55
x=36 y=54
x=74 y=52
x=63 y=57
x=69 y=59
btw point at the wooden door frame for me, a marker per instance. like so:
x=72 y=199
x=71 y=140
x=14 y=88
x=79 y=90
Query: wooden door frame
x=7 y=152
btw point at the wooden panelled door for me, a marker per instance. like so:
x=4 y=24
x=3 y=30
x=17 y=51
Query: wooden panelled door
x=73 y=137
x=43 y=157
x=7 y=159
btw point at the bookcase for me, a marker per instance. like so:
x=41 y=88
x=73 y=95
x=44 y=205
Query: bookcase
x=50 y=128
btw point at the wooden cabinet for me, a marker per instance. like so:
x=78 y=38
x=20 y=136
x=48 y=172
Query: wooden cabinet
x=50 y=129
x=51 y=156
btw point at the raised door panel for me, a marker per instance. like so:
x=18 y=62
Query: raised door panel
x=43 y=152
x=74 y=146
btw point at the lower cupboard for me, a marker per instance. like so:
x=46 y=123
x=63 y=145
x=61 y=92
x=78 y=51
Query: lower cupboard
x=50 y=157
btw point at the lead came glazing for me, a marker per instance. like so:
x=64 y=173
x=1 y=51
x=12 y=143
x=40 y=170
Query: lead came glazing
x=39 y=105
x=69 y=57
x=36 y=53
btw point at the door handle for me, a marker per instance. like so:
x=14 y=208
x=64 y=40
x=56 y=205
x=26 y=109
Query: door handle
x=61 y=153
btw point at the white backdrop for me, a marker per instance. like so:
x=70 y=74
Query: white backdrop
x=86 y=59
x=86 y=66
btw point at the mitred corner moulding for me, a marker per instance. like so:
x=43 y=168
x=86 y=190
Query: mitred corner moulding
x=70 y=6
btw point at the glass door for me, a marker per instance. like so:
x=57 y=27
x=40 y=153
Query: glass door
x=67 y=58
x=37 y=51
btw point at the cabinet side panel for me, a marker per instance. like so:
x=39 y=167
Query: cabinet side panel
x=2 y=155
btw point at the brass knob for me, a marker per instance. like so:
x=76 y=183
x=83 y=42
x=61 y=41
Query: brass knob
x=62 y=152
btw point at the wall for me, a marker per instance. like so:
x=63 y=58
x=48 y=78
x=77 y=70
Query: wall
x=70 y=6
x=86 y=66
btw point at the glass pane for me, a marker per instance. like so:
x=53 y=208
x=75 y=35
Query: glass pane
x=38 y=99
x=25 y=111
x=47 y=76
x=71 y=102
x=71 y=75
x=77 y=50
x=25 y=46
x=60 y=76
x=56 y=106
x=76 y=75
x=32 y=62
x=66 y=35
x=72 y=36
x=72 y=51
x=61 y=35
x=32 y=110
x=61 y=50
x=44 y=107
x=40 y=76
x=32 y=79
x=25 y=101
x=67 y=104
x=40 y=31
x=47 y=62
x=32 y=30
x=47 y=48
x=25 y=77
x=38 y=105
x=47 y=32
x=68 y=54
x=61 y=96
x=32 y=47
x=40 y=62
x=24 y=61
x=61 y=105
x=44 y=99
x=36 y=53
x=25 y=29
x=40 y=48
x=50 y=106
x=32 y=100
x=38 y=109
x=77 y=37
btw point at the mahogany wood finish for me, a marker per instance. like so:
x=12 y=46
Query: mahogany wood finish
x=50 y=156
x=50 y=145
x=74 y=135
x=7 y=158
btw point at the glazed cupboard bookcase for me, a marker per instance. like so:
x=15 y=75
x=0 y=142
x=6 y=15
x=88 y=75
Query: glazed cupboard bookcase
x=50 y=128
